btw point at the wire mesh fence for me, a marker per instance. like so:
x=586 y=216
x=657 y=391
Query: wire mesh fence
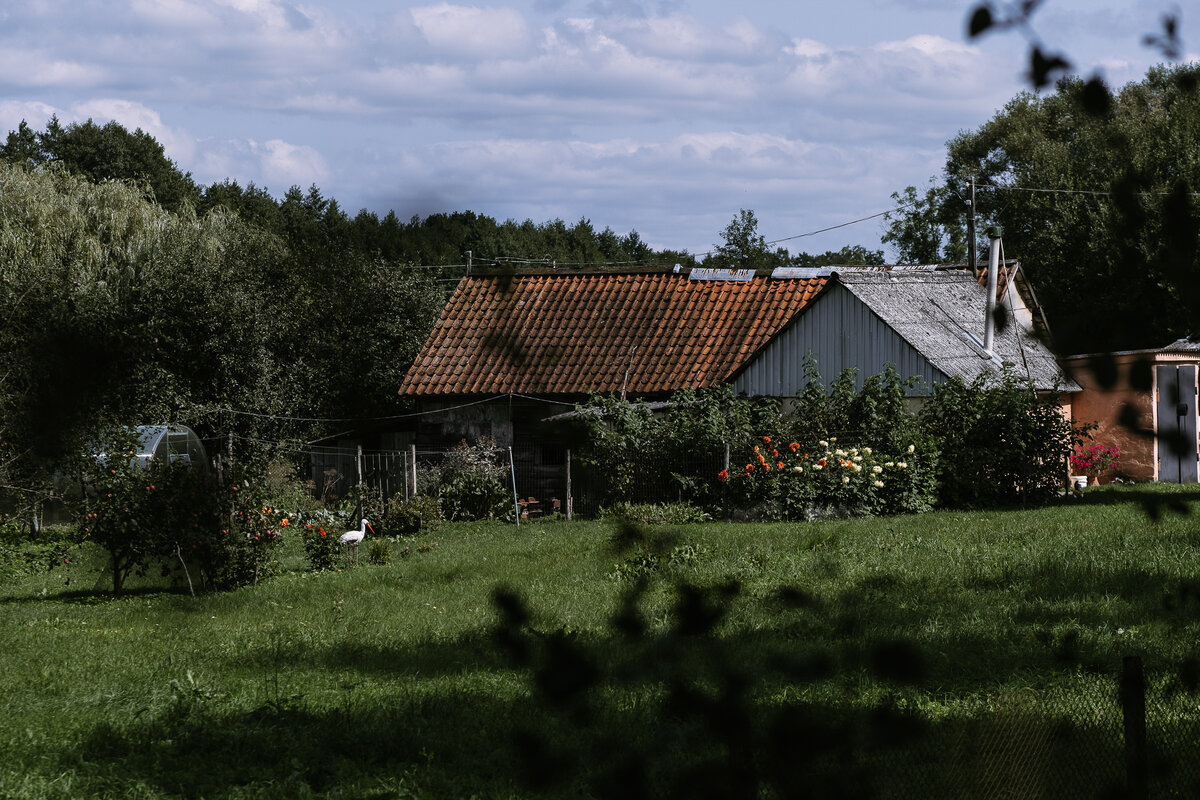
x=1084 y=737
x=543 y=478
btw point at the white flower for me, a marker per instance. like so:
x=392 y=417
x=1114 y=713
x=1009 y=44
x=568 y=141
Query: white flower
x=889 y=463
x=856 y=457
x=823 y=443
x=840 y=453
x=902 y=464
x=855 y=467
x=833 y=438
x=877 y=469
x=816 y=466
x=797 y=468
x=867 y=450
x=879 y=484
x=911 y=447
x=845 y=479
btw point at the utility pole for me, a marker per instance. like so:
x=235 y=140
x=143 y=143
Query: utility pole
x=971 y=232
x=468 y=263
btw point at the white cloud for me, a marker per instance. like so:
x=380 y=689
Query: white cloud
x=283 y=165
x=12 y=112
x=38 y=67
x=480 y=33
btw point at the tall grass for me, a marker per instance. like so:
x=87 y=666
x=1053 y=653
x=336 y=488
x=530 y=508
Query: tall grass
x=404 y=680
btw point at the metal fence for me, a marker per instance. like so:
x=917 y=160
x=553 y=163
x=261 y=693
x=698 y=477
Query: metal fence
x=1125 y=736
x=545 y=479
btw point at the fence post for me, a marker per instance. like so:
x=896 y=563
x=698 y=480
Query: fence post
x=1133 y=709
x=512 y=470
x=412 y=449
x=570 y=499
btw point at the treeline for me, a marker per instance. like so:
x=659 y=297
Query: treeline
x=314 y=226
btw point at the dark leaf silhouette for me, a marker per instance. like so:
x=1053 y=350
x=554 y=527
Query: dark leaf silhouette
x=981 y=20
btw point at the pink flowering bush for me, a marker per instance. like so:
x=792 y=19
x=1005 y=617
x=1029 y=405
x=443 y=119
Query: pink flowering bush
x=1094 y=459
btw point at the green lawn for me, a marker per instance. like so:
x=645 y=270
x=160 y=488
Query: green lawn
x=917 y=656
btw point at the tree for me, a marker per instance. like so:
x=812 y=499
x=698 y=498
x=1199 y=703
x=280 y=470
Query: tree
x=929 y=229
x=743 y=247
x=1098 y=205
x=850 y=255
x=107 y=152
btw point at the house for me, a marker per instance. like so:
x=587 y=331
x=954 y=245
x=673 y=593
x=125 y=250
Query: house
x=510 y=350
x=1145 y=402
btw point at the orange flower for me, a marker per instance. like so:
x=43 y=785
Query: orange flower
x=794 y=446
x=283 y=523
x=722 y=476
x=780 y=465
x=767 y=439
x=756 y=448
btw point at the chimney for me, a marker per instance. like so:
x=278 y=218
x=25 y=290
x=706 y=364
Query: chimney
x=993 y=279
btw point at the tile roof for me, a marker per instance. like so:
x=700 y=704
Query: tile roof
x=574 y=333
x=644 y=332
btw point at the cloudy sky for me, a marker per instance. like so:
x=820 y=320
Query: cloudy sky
x=665 y=117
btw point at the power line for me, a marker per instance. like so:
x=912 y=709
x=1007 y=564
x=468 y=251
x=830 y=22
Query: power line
x=846 y=224
x=1092 y=192
x=285 y=418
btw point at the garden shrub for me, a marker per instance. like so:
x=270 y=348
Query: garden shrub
x=473 y=482
x=174 y=516
x=22 y=555
x=1001 y=443
x=843 y=452
x=379 y=551
x=412 y=515
x=624 y=442
x=321 y=544
x=829 y=480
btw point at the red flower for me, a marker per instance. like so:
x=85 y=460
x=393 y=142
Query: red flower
x=794 y=446
x=723 y=475
x=767 y=439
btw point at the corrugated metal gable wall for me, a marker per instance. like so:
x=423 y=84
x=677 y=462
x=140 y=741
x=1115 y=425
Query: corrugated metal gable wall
x=841 y=332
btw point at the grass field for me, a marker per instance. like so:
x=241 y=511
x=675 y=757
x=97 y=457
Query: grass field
x=934 y=655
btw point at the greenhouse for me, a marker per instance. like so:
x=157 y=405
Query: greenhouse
x=173 y=443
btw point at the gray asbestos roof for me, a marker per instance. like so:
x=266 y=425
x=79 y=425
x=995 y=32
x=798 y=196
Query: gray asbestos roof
x=941 y=314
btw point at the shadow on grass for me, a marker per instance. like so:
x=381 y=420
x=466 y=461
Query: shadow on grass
x=683 y=712
x=1155 y=501
x=91 y=596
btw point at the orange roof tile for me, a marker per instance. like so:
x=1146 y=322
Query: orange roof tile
x=577 y=333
